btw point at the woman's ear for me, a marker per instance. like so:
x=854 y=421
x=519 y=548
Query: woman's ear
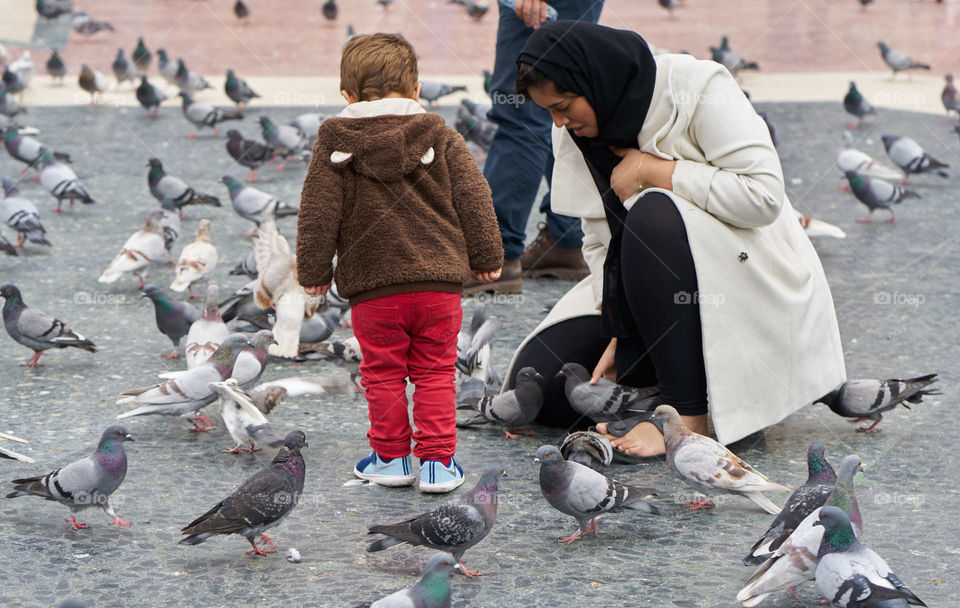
x=350 y=97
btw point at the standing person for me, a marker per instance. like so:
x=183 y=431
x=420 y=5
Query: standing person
x=521 y=155
x=397 y=196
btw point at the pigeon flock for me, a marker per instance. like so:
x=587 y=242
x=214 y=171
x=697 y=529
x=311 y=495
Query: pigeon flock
x=223 y=346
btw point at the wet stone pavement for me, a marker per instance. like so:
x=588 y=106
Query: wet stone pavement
x=894 y=286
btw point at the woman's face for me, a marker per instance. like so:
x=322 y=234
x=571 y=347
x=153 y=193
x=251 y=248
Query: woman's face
x=568 y=110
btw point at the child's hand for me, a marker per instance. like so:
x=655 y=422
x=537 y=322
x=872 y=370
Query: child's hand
x=318 y=290
x=487 y=276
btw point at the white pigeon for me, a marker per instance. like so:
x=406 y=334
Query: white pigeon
x=243 y=419
x=851 y=159
x=208 y=332
x=309 y=125
x=143 y=247
x=23 y=67
x=197 y=261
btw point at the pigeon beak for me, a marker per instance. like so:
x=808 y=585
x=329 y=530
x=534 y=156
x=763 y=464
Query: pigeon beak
x=457 y=568
x=818 y=523
x=559 y=373
x=536 y=460
x=305 y=444
x=128 y=437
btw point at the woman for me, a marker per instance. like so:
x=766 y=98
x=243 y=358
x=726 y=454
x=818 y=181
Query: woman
x=705 y=282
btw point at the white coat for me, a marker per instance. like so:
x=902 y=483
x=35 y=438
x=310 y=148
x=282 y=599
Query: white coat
x=771 y=342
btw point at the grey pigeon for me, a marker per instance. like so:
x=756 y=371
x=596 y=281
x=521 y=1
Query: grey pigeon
x=454 y=526
x=588 y=448
x=669 y=5
x=794 y=561
x=330 y=10
x=475 y=336
x=189 y=392
x=865 y=399
x=244 y=421
x=606 y=400
x=26 y=149
x=344 y=353
x=432 y=90
x=897 y=61
x=173 y=317
x=8 y=105
x=238 y=90
x=188 y=81
x=812 y=494
x=122 y=70
x=471 y=122
x=851 y=575
x=251 y=203
x=286 y=140
x=86 y=25
x=36 y=329
x=56 y=67
x=247 y=265
x=431 y=591
x=252 y=362
x=707 y=466
x=150 y=97
x=205 y=115
x=911 y=157
x=320 y=326
x=731 y=59
x=141 y=55
x=13 y=81
x=239 y=302
x=21 y=214
x=585 y=494
x=949 y=96
x=87 y=482
x=166 y=67
x=309 y=125
x=261 y=502
x=511 y=409
x=876 y=193
x=61 y=181
x=168 y=188
x=242 y=10
x=855 y=103
x=51 y=9
x=249 y=153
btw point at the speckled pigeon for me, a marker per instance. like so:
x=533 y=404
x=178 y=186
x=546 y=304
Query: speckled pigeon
x=911 y=157
x=61 y=181
x=173 y=317
x=260 y=503
x=140 y=250
x=707 y=466
x=897 y=61
x=166 y=67
x=141 y=55
x=876 y=194
x=511 y=409
x=588 y=448
x=122 y=70
x=606 y=400
x=36 y=329
x=150 y=97
x=56 y=67
x=87 y=482
x=855 y=103
x=454 y=526
x=286 y=140
x=432 y=90
x=208 y=332
x=812 y=494
x=250 y=203
x=167 y=188
x=238 y=90
x=431 y=591
x=244 y=421
x=868 y=399
x=205 y=115
x=188 y=81
x=583 y=493
x=794 y=561
x=21 y=214
x=249 y=153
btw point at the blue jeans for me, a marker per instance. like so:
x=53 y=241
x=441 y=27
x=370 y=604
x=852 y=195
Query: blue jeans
x=521 y=153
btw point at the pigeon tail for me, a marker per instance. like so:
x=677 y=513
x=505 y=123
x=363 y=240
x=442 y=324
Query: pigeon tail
x=383 y=543
x=195 y=539
x=30 y=486
x=765 y=503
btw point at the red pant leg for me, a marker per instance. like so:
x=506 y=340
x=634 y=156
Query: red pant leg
x=430 y=366
x=384 y=345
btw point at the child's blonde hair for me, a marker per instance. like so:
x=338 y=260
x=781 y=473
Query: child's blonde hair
x=375 y=65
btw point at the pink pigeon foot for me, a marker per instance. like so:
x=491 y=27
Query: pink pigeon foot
x=516 y=434
x=702 y=504
x=34 y=362
x=204 y=419
x=266 y=539
x=199 y=428
x=192 y=136
x=76 y=525
x=864 y=220
x=252 y=176
x=172 y=355
x=469 y=573
x=280 y=166
x=117 y=522
x=845 y=187
x=35 y=178
x=569 y=539
x=258 y=551
x=250 y=234
x=58 y=209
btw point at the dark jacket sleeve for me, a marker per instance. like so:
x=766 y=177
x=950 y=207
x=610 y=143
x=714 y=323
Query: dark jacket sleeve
x=318 y=222
x=474 y=206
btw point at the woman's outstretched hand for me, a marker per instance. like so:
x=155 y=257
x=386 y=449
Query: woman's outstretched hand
x=532 y=12
x=607 y=363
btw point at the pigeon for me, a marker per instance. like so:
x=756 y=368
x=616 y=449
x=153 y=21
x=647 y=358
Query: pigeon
x=13 y=81
x=309 y=125
x=817 y=228
x=92 y=82
x=351 y=32
x=320 y=326
x=240 y=302
x=431 y=591
x=197 y=261
x=851 y=159
x=260 y=503
x=141 y=56
x=731 y=59
x=864 y=3
x=704 y=464
x=432 y=90
x=867 y=399
x=26 y=149
x=7 y=247
x=909 y=156
x=344 y=353
x=170 y=224
x=242 y=10
x=249 y=153
x=583 y=493
x=188 y=81
x=122 y=70
x=512 y=409
x=189 y=392
x=238 y=90
x=856 y=104
x=8 y=105
x=205 y=115
x=247 y=266
x=949 y=96
x=169 y=189
x=61 y=181
x=897 y=61
x=252 y=362
x=588 y=448
x=23 y=66
x=10 y=454
x=166 y=67
x=56 y=67
x=36 y=329
x=669 y=5
x=143 y=247
x=794 y=561
x=252 y=204
x=454 y=526
x=877 y=194
x=821 y=480
x=84 y=24
x=849 y=574
x=51 y=9
x=286 y=140
x=243 y=419
x=267 y=394
x=477 y=8
x=471 y=122
x=86 y=482
x=330 y=10
x=606 y=400
x=475 y=336
x=150 y=97
x=206 y=333
x=21 y=214
x=173 y=318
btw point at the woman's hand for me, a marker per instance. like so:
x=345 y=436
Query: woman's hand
x=607 y=364
x=639 y=169
x=532 y=12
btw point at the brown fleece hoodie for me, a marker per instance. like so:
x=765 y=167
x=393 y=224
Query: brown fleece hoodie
x=401 y=201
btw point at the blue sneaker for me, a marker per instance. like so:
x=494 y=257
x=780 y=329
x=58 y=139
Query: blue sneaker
x=435 y=478
x=393 y=473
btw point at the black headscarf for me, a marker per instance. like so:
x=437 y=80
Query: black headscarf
x=615 y=71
